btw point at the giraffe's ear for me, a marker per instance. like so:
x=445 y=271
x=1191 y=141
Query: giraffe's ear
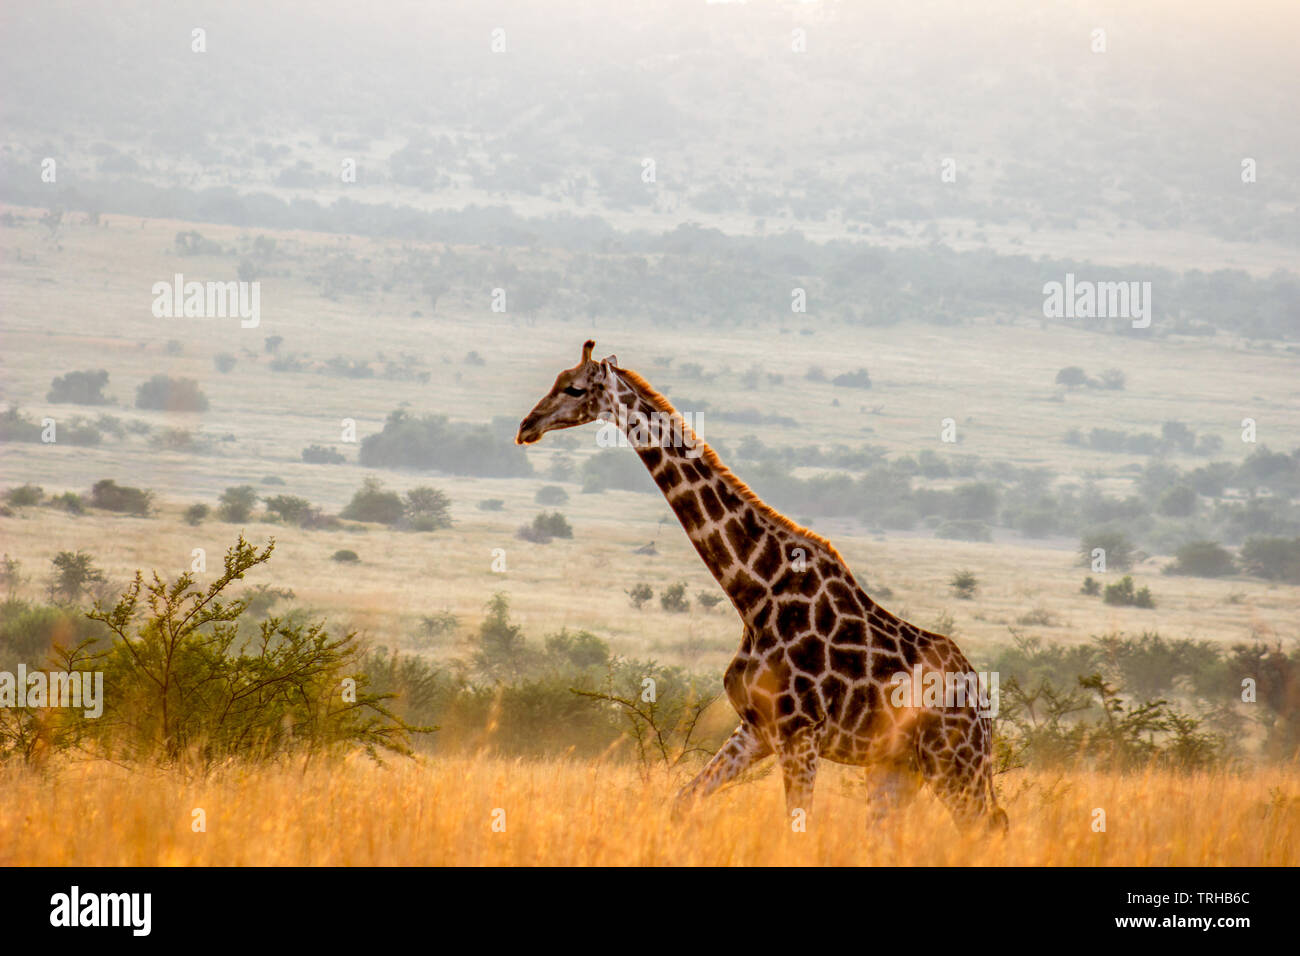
x=610 y=360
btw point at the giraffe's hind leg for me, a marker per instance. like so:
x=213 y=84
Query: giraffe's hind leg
x=955 y=761
x=891 y=786
x=743 y=749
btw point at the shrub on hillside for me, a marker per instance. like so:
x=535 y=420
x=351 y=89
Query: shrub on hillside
x=171 y=395
x=1277 y=559
x=24 y=496
x=1123 y=594
x=1117 y=549
x=320 y=455
x=111 y=496
x=79 y=388
x=964 y=530
x=673 y=598
x=371 y=503
x=545 y=527
x=1203 y=559
x=435 y=443
x=551 y=495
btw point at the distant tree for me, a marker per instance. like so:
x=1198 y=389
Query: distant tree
x=24 y=496
x=236 y=503
x=1203 y=559
x=224 y=362
x=320 y=455
x=1178 y=502
x=428 y=509
x=858 y=379
x=545 y=527
x=74 y=573
x=195 y=514
x=1117 y=547
x=1071 y=377
x=345 y=556
x=708 y=601
x=371 y=503
x=551 y=495
x=673 y=599
x=171 y=395
x=1091 y=586
x=1122 y=593
x=1276 y=559
x=1113 y=379
x=581 y=650
x=111 y=496
x=79 y=388
x=291 y=509
x=639 y=594
x=501 y=649
x=964 y=584
x=11 y=576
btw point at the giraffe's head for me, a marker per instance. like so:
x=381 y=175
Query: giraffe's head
x=579 y=395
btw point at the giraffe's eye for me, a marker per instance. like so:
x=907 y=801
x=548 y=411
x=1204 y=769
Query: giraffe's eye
x=575 y=392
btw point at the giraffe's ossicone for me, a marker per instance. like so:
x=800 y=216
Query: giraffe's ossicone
x=822 y=671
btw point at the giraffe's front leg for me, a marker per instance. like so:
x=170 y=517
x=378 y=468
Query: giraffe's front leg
x=743 y=749
x=798 y=755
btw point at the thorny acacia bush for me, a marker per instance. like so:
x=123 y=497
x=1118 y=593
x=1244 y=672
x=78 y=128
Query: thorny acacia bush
x=1121 y=702
x=188 y=678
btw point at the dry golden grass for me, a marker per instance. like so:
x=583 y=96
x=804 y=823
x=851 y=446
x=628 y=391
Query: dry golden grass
x=440 y=812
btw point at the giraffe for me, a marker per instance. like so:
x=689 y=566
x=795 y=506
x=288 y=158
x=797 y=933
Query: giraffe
x=816 y=673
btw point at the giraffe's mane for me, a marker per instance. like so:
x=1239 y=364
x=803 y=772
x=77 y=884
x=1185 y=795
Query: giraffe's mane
x=710 y=457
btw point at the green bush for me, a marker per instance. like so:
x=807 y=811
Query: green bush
x=195 y=514
x=345 y=556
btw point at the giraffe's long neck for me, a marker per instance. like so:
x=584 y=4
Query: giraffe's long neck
x=739 y=544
